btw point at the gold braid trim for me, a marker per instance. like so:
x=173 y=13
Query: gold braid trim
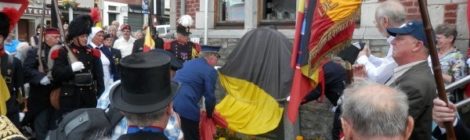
x=337 y=48
x=8 y=130
x=332 y=32
x=329 y=34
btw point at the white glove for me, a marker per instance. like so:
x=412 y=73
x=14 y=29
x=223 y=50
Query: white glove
x=45 y=81
x=77 y=66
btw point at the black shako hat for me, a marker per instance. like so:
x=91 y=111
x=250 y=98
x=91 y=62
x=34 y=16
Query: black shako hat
x=4 y=25
x=145 y=83
x=79 y=26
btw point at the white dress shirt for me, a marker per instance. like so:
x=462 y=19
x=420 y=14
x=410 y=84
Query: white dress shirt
x=379 y=69
x=125 y=46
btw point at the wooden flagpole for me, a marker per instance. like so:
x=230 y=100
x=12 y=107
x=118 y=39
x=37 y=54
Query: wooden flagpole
x=435 y=63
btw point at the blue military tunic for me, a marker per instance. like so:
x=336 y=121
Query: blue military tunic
x=197 y=79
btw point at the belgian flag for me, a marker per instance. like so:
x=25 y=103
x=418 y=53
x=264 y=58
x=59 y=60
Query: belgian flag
x=255 y=76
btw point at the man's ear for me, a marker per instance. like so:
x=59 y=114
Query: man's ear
x=347 y=129
x=385 y=22
x=409 y=127
x=418 y=46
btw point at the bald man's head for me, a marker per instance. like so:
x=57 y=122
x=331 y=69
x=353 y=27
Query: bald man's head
x=371 y=110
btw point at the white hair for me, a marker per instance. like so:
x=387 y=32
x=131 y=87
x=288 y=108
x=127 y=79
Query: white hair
x=393 y=10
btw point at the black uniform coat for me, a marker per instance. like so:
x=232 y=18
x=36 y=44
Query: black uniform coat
x=12 y=72
x=38 y=99
x=72 y=96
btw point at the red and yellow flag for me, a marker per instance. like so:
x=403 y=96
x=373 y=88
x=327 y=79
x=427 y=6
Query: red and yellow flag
x=149 y=43
x=328 y=30
x=332 y=28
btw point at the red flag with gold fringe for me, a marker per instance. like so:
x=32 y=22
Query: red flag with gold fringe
x=331 y=31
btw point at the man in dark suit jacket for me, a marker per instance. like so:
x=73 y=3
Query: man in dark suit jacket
x=413 y=75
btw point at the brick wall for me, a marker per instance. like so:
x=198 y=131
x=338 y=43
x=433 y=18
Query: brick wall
x=412 y=9
x=450 y=13
x=191 y=7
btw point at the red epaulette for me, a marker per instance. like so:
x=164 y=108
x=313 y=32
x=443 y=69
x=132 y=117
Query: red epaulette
x=55 y=54
x=167 y=45
x=96 y=53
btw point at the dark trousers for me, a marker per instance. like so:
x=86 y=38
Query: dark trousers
x=45 y=121
x=78 y=99
x=13 y=109
x=190 y=129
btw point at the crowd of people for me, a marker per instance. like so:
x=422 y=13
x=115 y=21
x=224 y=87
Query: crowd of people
x=49 y=78
x=407 y=67
x=156 y=94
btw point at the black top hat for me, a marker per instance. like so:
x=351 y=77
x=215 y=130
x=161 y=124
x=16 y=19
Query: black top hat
x=145 y=83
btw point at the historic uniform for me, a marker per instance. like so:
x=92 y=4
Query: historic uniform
x=78 y=95
x=10 y=67
x=12 y=72
x=182 y=47
x=183 y=51
x=41 y=116
x=80 y=81
x=38 y=78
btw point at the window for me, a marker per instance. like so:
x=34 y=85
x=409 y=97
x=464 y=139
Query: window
x=112 y=17
x=135 y=20
x=230 y=11
x=277 y=12
x=112 y=8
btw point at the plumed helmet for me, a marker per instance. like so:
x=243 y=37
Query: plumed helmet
x=184 y=24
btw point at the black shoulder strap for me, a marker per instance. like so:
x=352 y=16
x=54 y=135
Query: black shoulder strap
x=10 y=59
x=114 y=117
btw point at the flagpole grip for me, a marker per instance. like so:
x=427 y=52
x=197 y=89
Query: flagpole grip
x=436 y=66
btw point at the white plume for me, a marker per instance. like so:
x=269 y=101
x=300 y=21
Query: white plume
x=186 y=20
